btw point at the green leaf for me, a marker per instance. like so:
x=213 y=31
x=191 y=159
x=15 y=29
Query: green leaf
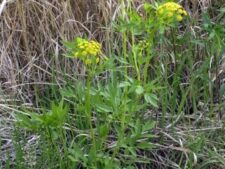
x=148 y=125
x=69 y=45
x=222 y=10
x=148 y=7
x=152 y=99
x=103 y=131
x=149 y=136
x=124 y=84
x=76 y=154
x=68 y=93
x=145 y=145
x=139 y=90
x=104 y=108
x=32 y=121
x=222 y=90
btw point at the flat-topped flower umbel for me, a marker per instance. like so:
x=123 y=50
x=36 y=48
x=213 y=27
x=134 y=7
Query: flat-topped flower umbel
x=88 y=51
x=170 y=12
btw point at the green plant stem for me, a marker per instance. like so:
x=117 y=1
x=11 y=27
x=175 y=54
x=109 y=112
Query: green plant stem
x=126 y=73
x=174 y=43
x=88 y=108
x=149 y=54
x=135 y=57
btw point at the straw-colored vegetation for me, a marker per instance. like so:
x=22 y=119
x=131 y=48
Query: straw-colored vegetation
x=110 y=84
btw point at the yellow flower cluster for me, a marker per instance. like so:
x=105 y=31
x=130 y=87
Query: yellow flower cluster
x=88 y=51
x=170 y=12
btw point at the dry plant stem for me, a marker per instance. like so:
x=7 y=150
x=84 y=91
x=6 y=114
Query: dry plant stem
x=2 y=6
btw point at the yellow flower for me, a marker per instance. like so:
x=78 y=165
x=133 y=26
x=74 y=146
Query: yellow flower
x=97 y=60
x=88 y=51
x=84 y=53
x=179 y=18
x=170 y=12
x=76 y=54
